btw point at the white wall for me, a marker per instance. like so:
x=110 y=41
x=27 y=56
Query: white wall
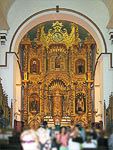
x=7 y=75
x=103 y=85
x=107 y=78
x=2 y=54
x=11 y=81
x=98 y=89
x=18 y=92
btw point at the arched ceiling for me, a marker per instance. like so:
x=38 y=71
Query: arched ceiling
x=4 y=8
x=6 y=4
x=109 y=4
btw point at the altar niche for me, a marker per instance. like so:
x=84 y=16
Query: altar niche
x=34 y=66
x=57 y=61
x=34 y=103
x=57 y=90
x=80 y=66
x=80 y=103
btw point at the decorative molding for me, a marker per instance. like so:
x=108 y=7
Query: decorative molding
x=111 y=64
x=111 y=36
x=6 y=55
x=3 y=35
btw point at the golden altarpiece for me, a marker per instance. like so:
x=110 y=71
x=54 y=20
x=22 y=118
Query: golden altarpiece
x=57 y=77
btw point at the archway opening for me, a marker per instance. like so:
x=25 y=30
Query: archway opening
x=80 y=67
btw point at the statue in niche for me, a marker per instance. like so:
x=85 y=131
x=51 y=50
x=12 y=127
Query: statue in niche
x=35 y=66
x=80 y=103
x=34 y=103
x=80 y=66
x=57 y=61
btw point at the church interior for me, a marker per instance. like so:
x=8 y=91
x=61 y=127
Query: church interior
x=56 y=63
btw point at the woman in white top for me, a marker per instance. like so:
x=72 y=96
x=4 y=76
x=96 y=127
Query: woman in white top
x=74 y=145
x=29 y=140
x=88 y=143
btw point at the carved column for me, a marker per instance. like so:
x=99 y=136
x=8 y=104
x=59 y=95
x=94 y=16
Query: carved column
x=42 y=99
x=72 y=99
x=25 y=105
x=57 y=105
x=89 y=41
x=89 y=83
x=46 y=102
x=69 y=100
x=49 y=104
x=25 y=87
x=66 y=96
x=26 y=44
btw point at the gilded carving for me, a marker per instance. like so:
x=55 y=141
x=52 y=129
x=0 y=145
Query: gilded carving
x=34 y=66
x=34 y=103
x=80 y=103
x=58 y=68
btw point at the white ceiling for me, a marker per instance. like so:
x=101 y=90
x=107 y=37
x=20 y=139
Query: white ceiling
x=6 y=4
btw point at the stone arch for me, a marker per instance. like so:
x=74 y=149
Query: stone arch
x=65 y=14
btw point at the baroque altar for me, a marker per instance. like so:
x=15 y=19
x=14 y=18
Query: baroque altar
x=57 y=76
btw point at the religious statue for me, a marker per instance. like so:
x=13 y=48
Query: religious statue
x=57 y=62
x=34 y=66
x=80 y=103
x=34 y=103
x=80 y=66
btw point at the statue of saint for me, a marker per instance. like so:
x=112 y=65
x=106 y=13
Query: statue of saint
x=80 y=68
x=80 y=105
x=33 y=103
x=57 y=62
x=34 y=67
